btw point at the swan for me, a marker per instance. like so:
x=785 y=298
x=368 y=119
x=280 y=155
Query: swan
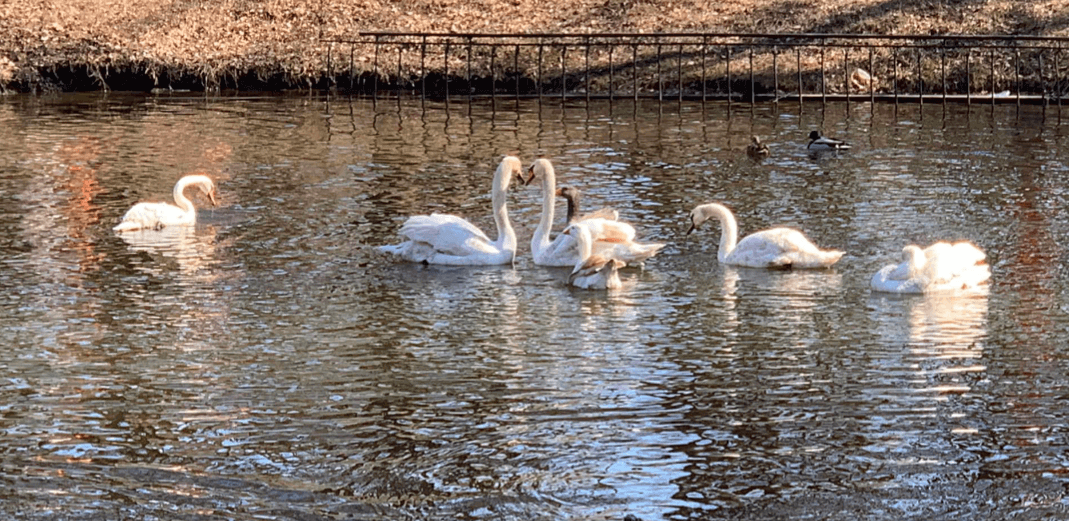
x=940 y=267
x=158 y=215
x=757 y=150
x=606 y=233
x=591 y=271
x=448 y=239
x=572 y=195
x=819 y=143
x=772 y=248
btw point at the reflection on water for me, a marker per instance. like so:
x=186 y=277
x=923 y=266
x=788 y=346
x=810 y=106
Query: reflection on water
x=268 y=362
x=193 y=251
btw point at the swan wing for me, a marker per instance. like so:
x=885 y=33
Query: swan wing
x=153 y=216
x=601 y=213
x=562 y=251
x=887 y=281
x=955 y=266
x=628 y=252
x=781 y=247
x=447 y=234
x=596 y=272
x=602 y=229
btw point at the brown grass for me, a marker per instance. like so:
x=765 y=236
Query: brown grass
x=61 y=44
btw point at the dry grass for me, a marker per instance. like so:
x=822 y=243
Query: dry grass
x=213 y=42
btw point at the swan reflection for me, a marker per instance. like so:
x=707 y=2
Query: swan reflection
x=193 y=248
x=956 y=322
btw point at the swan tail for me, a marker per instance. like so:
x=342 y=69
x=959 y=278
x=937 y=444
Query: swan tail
x=635 y=253
x=816 y=259
x=127 y=226
x=410 y=251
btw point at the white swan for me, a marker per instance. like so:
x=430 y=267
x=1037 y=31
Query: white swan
x=606 y=234
x=772 y=248
x=940 y=267
x=158 y=215
x=591 y=271
x=448 y=239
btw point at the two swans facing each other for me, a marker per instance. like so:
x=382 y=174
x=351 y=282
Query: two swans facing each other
x=774 y=248
x=451 y=240
x=608 y=237
x=154 y=216
x=941 y=267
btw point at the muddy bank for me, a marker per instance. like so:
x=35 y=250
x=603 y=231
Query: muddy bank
x=283 y=44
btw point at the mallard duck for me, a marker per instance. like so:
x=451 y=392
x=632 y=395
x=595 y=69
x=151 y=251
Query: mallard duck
x=819 y=143
x=757 y=150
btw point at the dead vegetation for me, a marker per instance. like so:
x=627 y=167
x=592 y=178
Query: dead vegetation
x=210 y=44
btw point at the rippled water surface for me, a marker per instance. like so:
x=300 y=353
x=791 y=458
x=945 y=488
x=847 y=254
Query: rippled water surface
x=270 y=364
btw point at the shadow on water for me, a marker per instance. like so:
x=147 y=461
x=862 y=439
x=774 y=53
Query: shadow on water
x=269 y=362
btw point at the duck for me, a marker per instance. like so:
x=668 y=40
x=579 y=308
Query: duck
x=774 y=248
x=155 y=216
x=941 y=267
x=818 y=143
x=452 y=240
x=757 y=150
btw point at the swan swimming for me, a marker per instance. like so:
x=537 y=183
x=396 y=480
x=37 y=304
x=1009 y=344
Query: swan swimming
x=592 y=271
x=572 y=195
x=154 y=216
x=607 y=234
x=772 y=248
x=451 y=240
x=940 y=267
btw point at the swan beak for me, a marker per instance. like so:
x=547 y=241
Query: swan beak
x=211 y=197
x=693 y=226
x=530 y=176
x=558 y=193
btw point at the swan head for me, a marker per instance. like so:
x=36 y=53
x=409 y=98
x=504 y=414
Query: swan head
x=570 y=193
x=512 y=167
x=756 y=141
x=203 y=183
x=538 y=168
x=703 y=213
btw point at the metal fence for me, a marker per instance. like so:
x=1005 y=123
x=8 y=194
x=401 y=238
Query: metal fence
x=716 y=66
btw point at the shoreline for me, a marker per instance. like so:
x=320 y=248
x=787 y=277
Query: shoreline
x=275 y=45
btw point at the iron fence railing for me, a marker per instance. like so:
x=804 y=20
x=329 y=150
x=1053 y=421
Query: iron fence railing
x=716 y=66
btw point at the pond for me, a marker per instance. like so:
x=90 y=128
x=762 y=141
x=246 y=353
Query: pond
x=271 y=363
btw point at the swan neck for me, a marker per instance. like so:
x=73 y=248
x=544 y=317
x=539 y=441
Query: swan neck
x=180 y=199
x=506 y=236
x=540 y=240
x=729 y=232
x=585 y=240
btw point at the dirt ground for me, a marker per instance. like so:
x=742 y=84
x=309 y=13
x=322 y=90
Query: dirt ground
x=49 y=45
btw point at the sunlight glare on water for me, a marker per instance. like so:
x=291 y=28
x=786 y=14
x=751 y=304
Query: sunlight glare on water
x=270 y=363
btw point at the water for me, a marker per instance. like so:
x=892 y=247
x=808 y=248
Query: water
x=270 y=364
